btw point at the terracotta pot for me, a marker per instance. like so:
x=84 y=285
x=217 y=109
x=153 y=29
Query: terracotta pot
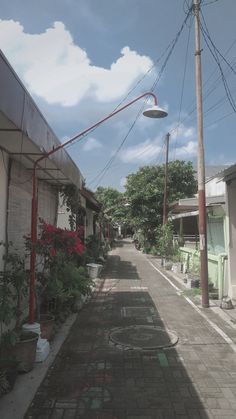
x=47 y=326
x=25 y=351
x=8 y=374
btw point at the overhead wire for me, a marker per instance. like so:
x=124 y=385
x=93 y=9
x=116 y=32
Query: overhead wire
x=130 y=91
x=215 y=54
x=183 y=83
x=173 y=44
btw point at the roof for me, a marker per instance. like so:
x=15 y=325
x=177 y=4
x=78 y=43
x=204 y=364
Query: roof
x=91 y=201
x=212 y=171
x=25 y=134
x=229 y=173
x=191 y=204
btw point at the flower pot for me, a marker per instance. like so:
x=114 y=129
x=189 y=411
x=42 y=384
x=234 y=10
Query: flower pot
x=46 y=326
x=168 y=264
x=94 y=270
x=8 y=374
x=25 y=351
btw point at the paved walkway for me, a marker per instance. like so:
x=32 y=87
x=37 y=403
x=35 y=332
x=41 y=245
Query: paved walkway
x=98 y=375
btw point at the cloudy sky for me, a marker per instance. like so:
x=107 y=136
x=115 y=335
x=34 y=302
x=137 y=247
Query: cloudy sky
x=80 y=59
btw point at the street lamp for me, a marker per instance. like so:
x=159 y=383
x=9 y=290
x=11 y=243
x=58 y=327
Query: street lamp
x=153 y=112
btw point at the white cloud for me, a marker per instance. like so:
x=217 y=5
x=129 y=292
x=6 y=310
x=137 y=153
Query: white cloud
x=141 y=153
x=59 y=71
x=149 y=150
x=123 y=181
x=91 y=144
x=181 y=132
x=185 y=152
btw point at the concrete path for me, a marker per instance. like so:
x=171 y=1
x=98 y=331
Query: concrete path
x=140 y=350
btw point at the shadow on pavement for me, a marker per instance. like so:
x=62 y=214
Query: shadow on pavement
x=118 y=362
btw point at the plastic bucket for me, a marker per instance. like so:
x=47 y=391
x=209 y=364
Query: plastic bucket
x=94 y=270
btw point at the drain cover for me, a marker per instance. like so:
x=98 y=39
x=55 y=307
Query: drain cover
x=143 y=337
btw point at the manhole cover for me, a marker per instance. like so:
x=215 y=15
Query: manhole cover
x=143 y=337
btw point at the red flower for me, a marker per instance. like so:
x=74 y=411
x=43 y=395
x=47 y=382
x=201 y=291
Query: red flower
x=52 y=252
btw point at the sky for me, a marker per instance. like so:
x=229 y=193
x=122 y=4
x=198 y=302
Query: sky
x=80 y=59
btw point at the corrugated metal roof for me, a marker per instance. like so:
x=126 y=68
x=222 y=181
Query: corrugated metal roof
x=25 y=133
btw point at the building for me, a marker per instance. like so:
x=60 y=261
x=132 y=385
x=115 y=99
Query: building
x=25 y=136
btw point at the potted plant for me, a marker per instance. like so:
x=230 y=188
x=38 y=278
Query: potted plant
x=165 y=244
x=58 y=250
x=193 y=275
x=23 y=344
x=8 y=374
x=176 y=267
x=8 y=365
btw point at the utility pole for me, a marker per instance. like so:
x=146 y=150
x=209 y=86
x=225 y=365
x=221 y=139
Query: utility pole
x=165 y=212
x=201 y=162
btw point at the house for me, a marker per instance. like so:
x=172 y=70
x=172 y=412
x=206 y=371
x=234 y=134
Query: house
x=25 y=136
x=93 y=208
x=89 y=210
x=229 y=178
x=184 y=214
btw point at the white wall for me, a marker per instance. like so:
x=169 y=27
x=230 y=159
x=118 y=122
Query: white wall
x=215 y=187
x=3 y=200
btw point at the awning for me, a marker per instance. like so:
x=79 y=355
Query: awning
x=25 y=134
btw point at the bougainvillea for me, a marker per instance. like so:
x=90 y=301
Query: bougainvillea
x=52 y=240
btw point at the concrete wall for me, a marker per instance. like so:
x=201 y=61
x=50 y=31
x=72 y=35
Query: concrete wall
x=3 y=200
x=20 y=195
x=217 y=267
x=231 y=239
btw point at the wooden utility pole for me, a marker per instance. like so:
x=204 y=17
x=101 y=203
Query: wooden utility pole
x=165 y=209
x=201 y=162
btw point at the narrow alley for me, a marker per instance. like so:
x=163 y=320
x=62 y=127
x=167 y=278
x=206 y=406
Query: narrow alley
x=139 y=350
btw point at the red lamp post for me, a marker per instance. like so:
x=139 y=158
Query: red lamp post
x=153 y=112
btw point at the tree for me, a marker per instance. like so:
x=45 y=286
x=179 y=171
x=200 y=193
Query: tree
x=144 y=192
x=113 y=204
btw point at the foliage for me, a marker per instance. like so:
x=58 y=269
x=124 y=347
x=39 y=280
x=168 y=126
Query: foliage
x=144 y=192
x=194 y=265
x=4 y=383
x=14 y=286
x=59 y=251
x=113 y=204
x=93 y=248
x=54 y=241
x=71 y=199
x=165 y=240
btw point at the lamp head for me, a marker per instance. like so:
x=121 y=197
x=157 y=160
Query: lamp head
x=155 y=112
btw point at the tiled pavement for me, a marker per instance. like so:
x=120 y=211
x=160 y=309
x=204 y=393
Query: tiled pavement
x=94 y=378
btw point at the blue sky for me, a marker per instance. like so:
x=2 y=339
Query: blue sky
x=80 y=58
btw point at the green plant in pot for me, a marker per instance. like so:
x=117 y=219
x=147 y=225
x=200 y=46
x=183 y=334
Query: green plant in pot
x=8 y=365
x=56 y=249
x=165 y=246
x=22 y=343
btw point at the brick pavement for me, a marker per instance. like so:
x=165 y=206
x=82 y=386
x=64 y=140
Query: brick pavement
x=94 y=378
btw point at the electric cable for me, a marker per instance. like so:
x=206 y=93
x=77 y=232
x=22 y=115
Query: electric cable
x=107 y=166
x=183 y=83
x=215 y=52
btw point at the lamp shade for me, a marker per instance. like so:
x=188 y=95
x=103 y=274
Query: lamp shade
x=155 y=112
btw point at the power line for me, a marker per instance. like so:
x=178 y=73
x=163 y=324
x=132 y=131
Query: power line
x=214 y=52
x=183 y=81
x=173 y=44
